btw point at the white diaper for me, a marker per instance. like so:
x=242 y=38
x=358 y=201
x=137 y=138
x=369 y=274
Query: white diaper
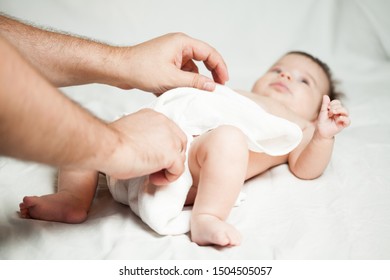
x=196 y=112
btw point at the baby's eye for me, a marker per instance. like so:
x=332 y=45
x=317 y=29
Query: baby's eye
x=276 y=70
x=305 y=81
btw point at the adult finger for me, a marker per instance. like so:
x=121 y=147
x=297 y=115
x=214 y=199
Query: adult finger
x=176 y=168
x=171 y=174
x=182 y=137
x=190 y=66
x=195 y=80
x=213 y=61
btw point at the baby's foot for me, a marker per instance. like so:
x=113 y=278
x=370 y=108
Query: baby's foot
x=59 y=207
x=209 y=230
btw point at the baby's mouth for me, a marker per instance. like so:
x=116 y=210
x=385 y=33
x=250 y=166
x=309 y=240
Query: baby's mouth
x=280 y=87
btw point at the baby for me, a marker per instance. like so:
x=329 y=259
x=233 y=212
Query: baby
x=298 y=88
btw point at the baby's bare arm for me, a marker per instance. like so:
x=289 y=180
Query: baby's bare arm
x=312 y=156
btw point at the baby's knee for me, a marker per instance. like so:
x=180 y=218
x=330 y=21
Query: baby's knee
x=223 y=139
x=227 y=139
x=223 y=145
x=227 y=135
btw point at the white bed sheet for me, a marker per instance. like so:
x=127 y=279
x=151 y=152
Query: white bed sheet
x=345 y=214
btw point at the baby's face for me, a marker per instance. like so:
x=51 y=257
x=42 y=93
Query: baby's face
x=297 y=82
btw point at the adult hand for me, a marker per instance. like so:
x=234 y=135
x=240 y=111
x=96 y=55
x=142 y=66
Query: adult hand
x=150 y=144
x=167 y=62
x=157 y=65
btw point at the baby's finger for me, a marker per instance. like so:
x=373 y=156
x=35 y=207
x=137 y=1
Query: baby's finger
x=342 y=111
x=324 y=108
x=335 y=102
x=343 y=121
x=333 y=105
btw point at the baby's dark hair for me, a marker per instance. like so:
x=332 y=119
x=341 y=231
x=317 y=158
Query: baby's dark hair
x=333 y=93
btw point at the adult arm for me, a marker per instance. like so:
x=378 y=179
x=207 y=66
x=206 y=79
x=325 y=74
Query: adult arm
x=39 y=123
x=154 y=66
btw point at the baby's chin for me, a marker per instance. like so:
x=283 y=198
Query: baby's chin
x=257 y=91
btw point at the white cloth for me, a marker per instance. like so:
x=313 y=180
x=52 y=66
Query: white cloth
x=196 y=112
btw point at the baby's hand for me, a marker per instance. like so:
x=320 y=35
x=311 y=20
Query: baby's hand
x=333 y=118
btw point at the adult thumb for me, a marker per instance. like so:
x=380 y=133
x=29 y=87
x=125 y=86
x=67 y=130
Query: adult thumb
x=197 y=80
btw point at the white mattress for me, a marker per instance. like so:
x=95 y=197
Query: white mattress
x=345 y=214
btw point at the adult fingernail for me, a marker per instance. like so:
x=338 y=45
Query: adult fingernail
x=209 y=86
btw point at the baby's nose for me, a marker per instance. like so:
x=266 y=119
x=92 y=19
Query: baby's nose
x=285 y=75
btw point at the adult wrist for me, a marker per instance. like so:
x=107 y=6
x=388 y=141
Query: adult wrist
x=106 y=156
x=117 y=69
x=116 y=157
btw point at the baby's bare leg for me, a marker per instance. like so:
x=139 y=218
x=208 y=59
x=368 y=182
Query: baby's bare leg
x=218 y=162
x=70 y=204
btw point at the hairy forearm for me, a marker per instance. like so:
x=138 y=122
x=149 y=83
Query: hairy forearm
x=63 y=59
x=314 y=158
x=38 y=123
